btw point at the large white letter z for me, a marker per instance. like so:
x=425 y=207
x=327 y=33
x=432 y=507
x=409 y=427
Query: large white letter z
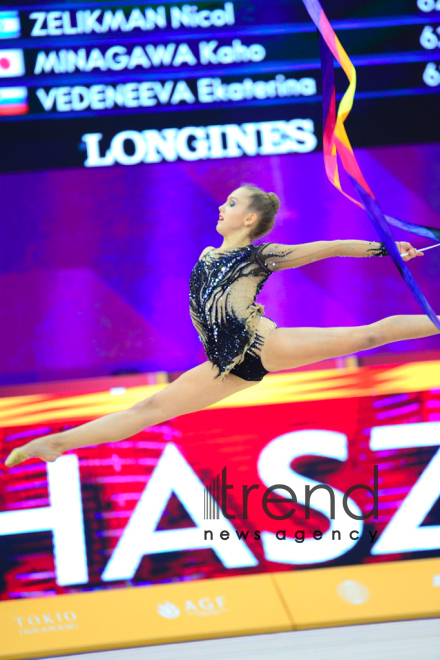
x=404 y=532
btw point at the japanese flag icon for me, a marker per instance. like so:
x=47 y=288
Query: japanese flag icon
x=11 y=63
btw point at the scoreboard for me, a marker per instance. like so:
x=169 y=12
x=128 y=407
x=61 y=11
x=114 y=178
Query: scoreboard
x=99 y=84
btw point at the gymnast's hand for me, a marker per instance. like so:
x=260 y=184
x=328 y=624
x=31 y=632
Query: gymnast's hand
x=405 y=247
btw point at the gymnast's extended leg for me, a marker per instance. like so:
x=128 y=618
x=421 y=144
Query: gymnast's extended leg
x=194 y=390
x=287 y=348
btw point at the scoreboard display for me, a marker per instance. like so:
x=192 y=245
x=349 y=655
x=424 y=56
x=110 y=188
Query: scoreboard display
x=107 y=83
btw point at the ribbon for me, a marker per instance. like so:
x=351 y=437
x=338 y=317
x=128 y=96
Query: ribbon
x=336 y=143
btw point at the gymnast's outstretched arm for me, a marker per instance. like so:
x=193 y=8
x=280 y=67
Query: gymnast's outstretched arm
x=277 y=256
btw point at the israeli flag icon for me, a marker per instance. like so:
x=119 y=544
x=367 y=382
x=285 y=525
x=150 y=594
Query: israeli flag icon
x=9 y=25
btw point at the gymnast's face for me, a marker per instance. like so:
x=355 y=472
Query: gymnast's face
x=234 y=213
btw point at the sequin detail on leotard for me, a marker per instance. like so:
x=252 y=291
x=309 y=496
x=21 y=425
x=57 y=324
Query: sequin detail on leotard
x=223 y=288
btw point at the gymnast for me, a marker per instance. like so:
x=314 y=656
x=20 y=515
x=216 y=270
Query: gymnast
x=241 y=343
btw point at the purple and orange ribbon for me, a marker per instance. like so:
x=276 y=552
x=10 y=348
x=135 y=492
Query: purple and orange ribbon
x=336 y=143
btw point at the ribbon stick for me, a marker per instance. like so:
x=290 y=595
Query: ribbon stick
x=336 y=143
x=405 y=254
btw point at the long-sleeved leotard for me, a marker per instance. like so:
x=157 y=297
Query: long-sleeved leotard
x=224 y=285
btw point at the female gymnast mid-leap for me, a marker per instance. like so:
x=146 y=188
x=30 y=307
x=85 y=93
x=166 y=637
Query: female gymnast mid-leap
x=241 y=343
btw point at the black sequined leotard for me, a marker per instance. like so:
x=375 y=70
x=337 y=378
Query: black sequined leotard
x=224 y=285
x=223 y=288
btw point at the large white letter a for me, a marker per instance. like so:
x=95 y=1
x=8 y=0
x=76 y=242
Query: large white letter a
x=171 y=474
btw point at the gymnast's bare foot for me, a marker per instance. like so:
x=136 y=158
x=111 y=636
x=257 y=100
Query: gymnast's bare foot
x=44 y=448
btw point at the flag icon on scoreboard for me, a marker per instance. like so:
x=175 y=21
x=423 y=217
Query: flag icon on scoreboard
x=9 y=25
x=11 y=63
x=13 y=101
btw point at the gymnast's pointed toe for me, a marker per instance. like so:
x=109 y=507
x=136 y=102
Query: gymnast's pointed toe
x=16 y=457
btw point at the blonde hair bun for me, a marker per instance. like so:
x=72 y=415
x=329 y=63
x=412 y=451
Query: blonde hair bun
x=265 y=205
x=274 y=199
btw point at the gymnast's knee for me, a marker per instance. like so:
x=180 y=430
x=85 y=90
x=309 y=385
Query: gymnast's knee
x=371 y=338
x=142 y=408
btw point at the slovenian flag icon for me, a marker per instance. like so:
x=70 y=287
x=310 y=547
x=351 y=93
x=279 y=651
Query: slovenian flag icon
x=9 y=25
x=13 y=101
x=11 y=63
